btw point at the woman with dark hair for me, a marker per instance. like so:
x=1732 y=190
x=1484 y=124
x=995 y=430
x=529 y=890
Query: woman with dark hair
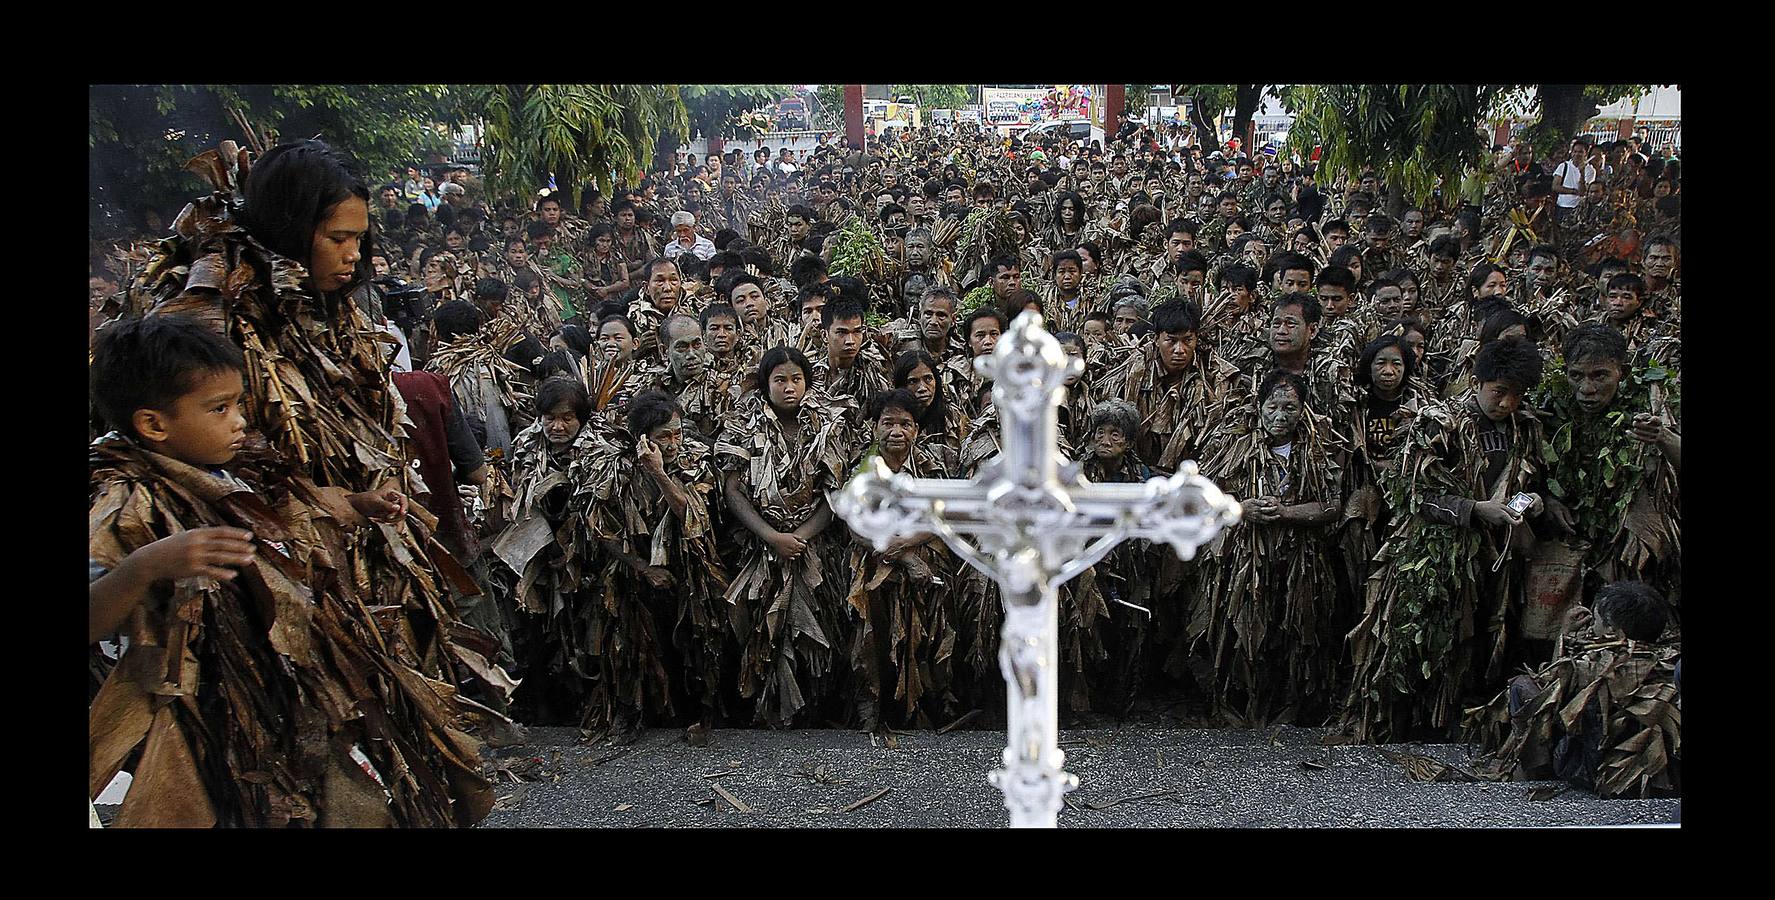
x=1092 y=256
x=546 y=584
x=1066 y=227
x=782 y=451
x=1349 y=256
x=1141 y=249
x=1081 y=398
x=1502 y=322
x=1457 y=332
x=272 y=268
x=900 y=606
x=1392 y=394
x=607 y=272
x=1447 y=581
x=942 y=426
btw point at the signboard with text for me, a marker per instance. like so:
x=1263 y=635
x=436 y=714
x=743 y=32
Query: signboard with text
x=1012 y=106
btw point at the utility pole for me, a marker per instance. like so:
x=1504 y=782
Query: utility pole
x=853 y=115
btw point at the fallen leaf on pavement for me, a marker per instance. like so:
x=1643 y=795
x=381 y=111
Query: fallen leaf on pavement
x=866 y=800
x=1119 y=801
x=1419 y=767
x=732 y=801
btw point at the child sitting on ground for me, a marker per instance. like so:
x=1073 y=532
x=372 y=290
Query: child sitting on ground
x=1604 y=714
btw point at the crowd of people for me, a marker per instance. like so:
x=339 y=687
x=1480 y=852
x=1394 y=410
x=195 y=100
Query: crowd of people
x=1454 y=427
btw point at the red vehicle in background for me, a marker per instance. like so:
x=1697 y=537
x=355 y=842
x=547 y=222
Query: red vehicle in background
x=791 y=114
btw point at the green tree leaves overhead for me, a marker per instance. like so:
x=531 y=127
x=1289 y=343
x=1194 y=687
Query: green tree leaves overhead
x=1566 y=107
x=1413 y=134
x=596 y=133
x=829 y=111
x=715 y=109
x=139 y=136
x=1210 y=100
x=1416 y=134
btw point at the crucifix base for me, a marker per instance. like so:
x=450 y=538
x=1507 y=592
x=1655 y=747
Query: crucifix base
x=1033 y=779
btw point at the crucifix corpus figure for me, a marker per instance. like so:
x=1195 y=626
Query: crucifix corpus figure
x=1038 y=523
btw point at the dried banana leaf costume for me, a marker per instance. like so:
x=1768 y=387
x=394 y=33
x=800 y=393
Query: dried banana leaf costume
x=710 y=399
x=1263 y=614
x=1175 y=418
x=789 y=612
x=854 y=386
x=1367 y=517
x=321 y=395
x=1607 y=717
x=1434 y=623
x=547 y=551
x=653 y=645
x=484 y=384
x=902 y=653
x=1625 y=494
x=1102 y=643
x=247 y=698
x=980 y=614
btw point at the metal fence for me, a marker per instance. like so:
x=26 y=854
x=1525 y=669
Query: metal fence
x=1657 y=134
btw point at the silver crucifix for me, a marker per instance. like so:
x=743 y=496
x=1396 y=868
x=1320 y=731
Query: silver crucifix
x=1039 y=523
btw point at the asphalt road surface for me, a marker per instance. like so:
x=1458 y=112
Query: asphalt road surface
x=1136 y=776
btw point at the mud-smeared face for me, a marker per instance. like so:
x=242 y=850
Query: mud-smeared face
x=1280 y=413
x=1109 y=443
x=685 y=352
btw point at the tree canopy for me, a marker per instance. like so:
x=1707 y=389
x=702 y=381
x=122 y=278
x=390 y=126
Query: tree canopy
x=579 y=133
x=139 y=136
x=715 y=110
x=1210 y=100
x=1416 y=135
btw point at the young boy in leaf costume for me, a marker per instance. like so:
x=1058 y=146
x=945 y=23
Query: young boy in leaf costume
x=1606 y=714
x=252 y=695
x=661 y=631
x=1444 y=584
x=1613 y=456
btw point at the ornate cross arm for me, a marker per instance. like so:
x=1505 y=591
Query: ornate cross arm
x=1184 y=511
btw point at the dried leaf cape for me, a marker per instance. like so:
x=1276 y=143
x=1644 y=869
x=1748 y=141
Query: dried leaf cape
x=321 y=395
x=1264 y=611
x=1623 y=690
x=902 y=650
x=1175 y=418
x=634 y=622
x=1625 y=494
x=1437 y=601
x=789 y=612
x=1103 y=644
x=547 y=552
